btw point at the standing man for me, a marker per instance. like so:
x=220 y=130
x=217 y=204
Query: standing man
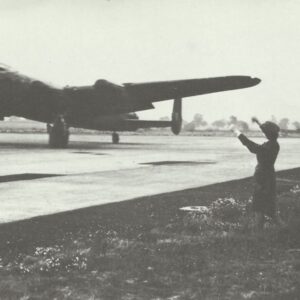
x=264 y=197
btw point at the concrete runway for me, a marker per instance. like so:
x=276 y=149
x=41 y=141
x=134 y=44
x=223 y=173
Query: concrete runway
x=35 y=180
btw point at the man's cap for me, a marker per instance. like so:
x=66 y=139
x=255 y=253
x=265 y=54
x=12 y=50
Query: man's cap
x=270 y=128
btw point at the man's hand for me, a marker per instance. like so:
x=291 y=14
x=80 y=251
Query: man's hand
x=255 y=120
x=233 y=128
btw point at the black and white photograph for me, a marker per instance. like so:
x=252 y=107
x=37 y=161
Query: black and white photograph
x=149 y=150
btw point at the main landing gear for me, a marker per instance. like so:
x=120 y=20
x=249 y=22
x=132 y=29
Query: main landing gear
x=115 y=138
x=58 y=133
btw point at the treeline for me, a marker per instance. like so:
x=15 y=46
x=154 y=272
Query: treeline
x=199 y=123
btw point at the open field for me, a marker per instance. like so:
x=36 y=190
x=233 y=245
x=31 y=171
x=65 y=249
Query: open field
x=148 y=249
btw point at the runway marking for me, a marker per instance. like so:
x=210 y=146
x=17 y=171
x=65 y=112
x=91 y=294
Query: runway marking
x=176 y=162
x=25 y=176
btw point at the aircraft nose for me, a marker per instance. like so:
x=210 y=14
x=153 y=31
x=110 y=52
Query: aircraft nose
x=256 y=80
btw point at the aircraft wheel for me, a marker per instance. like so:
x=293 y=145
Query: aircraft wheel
x=58 y=134
x=115 y=138
x=60 y=140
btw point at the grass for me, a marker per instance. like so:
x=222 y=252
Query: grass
x=149 y=249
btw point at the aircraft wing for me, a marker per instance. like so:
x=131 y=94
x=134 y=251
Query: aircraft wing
x=84 y=105
x=165 y=90
x=106 y=99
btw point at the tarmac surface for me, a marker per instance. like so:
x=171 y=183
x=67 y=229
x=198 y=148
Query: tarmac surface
x=36 y=180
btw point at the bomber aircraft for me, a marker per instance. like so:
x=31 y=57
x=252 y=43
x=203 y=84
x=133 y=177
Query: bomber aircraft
x=103 y=105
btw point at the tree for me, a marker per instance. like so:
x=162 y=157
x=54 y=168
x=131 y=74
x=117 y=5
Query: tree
x=297 y=125
x=242 y=125
x=284 y=123
x=233 y=120
x=199 y=120
x=219 y=124
x=189 y=126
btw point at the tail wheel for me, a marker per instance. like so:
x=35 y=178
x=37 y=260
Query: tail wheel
x=115 y=138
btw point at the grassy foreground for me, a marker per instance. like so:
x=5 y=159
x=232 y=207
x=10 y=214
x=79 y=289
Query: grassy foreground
x=149 y=249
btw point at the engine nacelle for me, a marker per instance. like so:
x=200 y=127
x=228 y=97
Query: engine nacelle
x=177 y=116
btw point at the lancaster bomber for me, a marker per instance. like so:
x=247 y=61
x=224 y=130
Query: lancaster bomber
x=103 y=105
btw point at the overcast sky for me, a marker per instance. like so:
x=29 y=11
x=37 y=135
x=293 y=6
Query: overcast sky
x=72 y=42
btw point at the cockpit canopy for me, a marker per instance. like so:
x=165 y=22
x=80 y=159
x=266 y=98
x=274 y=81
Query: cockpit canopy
x=2 y=69
x=5 y=68
x=103 y=84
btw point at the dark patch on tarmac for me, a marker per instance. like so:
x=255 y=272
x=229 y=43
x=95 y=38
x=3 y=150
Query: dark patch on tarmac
x=25 y=176
x=78 y=145
x=16 y=145
x=178 y=162
x=88 y=152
